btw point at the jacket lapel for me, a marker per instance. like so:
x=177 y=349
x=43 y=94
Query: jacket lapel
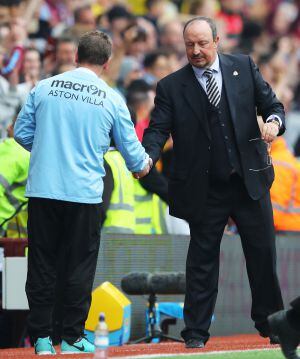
x=230 y=82
x=196 y=97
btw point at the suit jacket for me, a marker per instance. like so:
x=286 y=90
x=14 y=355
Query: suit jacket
x=181 y=108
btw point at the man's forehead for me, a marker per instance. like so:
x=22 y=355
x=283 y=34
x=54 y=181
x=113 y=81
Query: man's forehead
x=199 y=26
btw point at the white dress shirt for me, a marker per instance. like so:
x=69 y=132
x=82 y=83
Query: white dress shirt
x=199 y=73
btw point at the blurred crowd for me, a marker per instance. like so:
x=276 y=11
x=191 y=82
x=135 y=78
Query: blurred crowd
x=38 y=39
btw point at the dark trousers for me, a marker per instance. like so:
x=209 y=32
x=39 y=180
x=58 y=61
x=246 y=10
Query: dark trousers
x=254 y=220
x=61 y=231
x=295 y=304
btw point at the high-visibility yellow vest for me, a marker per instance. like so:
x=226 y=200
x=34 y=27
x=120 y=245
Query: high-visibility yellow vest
x=285 y=191
x=120 y=215
x=149 y=211
x=14 y=166
x=17 y=226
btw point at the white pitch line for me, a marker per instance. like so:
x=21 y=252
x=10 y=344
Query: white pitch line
x=194 y=354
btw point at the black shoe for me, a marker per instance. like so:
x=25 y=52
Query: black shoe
x=288 y=337
x=273 y=338
x=194 y=343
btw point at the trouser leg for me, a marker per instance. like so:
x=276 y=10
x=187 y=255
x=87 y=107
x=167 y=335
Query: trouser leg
x=254 y=220
x=82 y=233
x=295 y=304
x=44 y=228
x=202 y=265
x=293 y=314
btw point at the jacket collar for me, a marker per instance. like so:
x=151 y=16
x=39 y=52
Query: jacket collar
x=230 y=81
x=199 y=103
x=192 y=92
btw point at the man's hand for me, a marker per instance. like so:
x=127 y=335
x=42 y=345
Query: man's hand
x=144 y=171
x=269 y=131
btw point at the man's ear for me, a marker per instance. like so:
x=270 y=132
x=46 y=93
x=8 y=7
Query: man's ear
x=216 y=41
x=106 y=65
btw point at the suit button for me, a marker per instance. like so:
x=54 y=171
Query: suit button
x=229 y=150
x=220 y=112
x=222 y=124
x=208 y=148
x=206 y=171
x=226 y=137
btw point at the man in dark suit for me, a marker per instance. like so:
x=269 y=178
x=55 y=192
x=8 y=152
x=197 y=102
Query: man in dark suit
x=221 y=169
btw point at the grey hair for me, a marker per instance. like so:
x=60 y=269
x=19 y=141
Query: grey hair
x=210 y=22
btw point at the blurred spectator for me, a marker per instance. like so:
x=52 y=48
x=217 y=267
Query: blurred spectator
x=154 y=10
x=140 y=98
x=65 y=54
x=231 y=18
x=119 y=18
x=258 y=10
x=41 y=24
x=9 y=9
x=135 y=40
x=14 y=92
x=151 y=33
x=156 y=66
x=285 y=192
x=29 y=76
x=14 y=166
x=130 y=70
x=84 y=20
x=250 y=34
x=65 y=51
x=9 y=99
x=142 y=212
x=171 y=37
x=14 y=43
x=283 y=18
x=31 y=70
x=118 y=195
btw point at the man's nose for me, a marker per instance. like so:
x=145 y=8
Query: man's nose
x=196 y=49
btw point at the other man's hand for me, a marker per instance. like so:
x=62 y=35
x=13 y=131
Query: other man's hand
x=269 y=132
x=144 y=171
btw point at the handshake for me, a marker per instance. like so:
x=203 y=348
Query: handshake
x=144 y=171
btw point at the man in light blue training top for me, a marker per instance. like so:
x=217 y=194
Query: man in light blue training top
x=67 y=124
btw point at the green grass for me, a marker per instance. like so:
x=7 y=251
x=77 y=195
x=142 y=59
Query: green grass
x=259 y=354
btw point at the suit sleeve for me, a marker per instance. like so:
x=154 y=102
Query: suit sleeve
x=265 y=99
x=157 y=183
x=156 y=135
x=108 y=187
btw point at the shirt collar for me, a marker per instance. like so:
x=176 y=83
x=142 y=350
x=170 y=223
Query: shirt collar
x=215 y=67
x=86 y=70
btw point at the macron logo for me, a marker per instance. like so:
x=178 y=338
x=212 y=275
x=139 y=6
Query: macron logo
x=76 y=86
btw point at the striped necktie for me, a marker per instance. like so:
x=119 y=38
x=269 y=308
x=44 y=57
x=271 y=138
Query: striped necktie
x=212 y=88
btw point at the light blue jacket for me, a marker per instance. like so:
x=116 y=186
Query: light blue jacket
x=67 y=123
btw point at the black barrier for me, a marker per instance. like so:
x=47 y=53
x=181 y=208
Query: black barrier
x=122 y=254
